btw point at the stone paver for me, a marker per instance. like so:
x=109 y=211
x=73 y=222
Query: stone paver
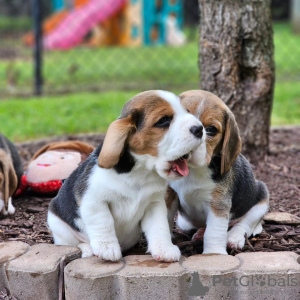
x=36 y=274
x=269 y=275
x=211 y=264
x=207 y=271
x=269 y=262
x=90 y=278
x=8 y=252
x=135 y=277
x=151 y=279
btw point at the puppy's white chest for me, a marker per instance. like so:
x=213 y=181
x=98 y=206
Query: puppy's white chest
x=195 y=194
x=127 y=197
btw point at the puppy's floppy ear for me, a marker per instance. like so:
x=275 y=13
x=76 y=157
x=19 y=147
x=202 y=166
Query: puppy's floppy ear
x=114 y=142
x=8 y=178
x=232 y=143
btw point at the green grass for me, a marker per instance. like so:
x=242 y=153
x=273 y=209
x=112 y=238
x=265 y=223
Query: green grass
x=93 y=112
x=107 y=68
x=287 y=52
x=8 y=24
x=173 y=68
x=48 y=116
x=286 y=104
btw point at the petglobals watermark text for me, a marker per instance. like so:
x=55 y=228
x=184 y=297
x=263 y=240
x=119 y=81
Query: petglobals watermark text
x=256 y=280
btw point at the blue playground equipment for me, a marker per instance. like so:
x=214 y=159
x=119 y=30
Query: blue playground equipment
x=58 y=4
x=155 y=14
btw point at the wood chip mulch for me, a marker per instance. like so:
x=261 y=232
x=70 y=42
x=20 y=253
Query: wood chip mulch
x=280 y=170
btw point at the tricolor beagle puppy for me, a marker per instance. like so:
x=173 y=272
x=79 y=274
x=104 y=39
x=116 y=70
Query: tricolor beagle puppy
x=118 y=192
x=220 y=187
x=11 y=170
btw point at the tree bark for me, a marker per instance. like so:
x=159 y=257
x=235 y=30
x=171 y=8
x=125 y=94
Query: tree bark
x=237 y=64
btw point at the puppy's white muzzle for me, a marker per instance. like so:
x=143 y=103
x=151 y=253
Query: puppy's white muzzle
x=183 y=137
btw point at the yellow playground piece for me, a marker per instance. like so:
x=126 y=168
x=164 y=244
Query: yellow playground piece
x=125 y=28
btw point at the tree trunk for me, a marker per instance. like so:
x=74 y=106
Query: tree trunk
x=295 y=13
x=237 y=64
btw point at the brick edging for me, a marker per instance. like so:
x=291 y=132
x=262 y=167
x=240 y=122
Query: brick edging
x=36 y=273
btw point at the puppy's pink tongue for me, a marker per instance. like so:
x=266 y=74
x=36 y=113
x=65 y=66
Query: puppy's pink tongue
x=181 y=167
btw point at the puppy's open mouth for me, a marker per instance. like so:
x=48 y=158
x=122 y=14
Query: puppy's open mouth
x=179 y=166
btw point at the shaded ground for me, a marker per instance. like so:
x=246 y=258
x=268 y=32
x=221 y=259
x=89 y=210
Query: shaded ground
x=280 y=171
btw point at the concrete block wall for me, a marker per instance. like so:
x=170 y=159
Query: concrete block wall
x=57 y=272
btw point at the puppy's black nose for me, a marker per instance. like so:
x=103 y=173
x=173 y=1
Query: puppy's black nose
x=197 y=131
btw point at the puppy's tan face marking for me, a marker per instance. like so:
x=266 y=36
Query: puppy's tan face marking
x=136 y=128
x=222 y=134
x=146 y=138
x=212 y=118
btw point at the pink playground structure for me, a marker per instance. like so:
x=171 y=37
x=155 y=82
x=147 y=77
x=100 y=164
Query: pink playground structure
x=79 y=22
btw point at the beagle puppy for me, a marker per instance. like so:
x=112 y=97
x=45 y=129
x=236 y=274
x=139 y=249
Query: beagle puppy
x=220 y=187
x=11 y=171
x=118 y=192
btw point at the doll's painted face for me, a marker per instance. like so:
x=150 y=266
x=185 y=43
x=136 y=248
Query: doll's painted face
x=53 y=165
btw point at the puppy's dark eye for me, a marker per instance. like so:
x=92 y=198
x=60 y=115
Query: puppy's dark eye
x=164 y=122
x=211 y=130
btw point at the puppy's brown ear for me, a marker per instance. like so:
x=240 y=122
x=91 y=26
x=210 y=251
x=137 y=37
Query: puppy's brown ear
x=232 y=144
x=8 y=177
x=114 y=142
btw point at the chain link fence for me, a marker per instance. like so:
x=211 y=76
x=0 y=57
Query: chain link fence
x=116 y=44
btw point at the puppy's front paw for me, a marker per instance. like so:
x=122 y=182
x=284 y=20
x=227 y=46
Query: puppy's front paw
x=167 y=253
x=107 y=251
x=86 y=250
x=236 y=238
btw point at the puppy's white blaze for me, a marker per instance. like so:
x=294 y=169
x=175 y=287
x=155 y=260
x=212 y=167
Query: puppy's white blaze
x=178 y=140
x=173 y=100
x=200 y=109
x=215 y=234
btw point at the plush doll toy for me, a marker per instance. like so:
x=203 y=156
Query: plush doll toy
x=52 y=164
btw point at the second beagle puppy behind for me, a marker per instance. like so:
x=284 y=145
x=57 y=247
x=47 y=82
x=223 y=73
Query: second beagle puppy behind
x=118 y=192
x=220 y=186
